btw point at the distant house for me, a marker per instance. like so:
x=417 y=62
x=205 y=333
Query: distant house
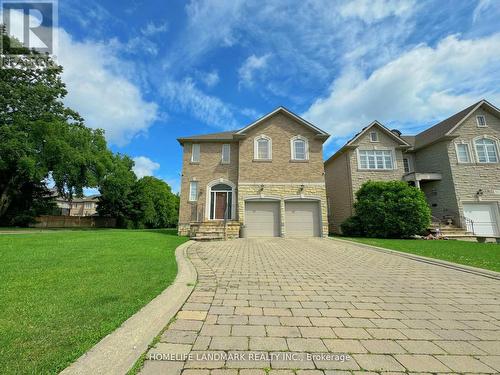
x=456 y=163
x=85 y=206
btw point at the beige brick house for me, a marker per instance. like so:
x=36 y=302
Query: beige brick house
x=456 y=163
x=267 y=176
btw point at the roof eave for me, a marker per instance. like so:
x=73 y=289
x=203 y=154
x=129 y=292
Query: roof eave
x=440 y=139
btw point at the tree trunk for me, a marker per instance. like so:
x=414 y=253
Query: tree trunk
x=4 y=202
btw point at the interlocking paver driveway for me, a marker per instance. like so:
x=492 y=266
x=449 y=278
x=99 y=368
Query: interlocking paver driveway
x=263 y=304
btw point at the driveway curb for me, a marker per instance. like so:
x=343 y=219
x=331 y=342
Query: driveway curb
x=117 y=352
x=419 y=258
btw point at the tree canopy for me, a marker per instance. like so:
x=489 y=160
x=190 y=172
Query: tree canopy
x=41 y=137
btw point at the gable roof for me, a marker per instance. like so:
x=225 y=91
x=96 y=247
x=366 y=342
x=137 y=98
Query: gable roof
x=288 y=113
x=446 y=127
x=235 y=134
x=383 y=128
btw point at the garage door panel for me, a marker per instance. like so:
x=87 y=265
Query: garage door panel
x=484 y=217
x=302 y=219
x=262 y=219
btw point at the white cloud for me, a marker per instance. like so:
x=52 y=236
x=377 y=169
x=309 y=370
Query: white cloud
x=210 y=24
x=251 y=65
x=374 y=10
x=141 y=44
x=423 y=84
x=481 y=7
x=184 y=95
x=100 y=92
x=210 y=79
x=144 y=166
x=152 y=29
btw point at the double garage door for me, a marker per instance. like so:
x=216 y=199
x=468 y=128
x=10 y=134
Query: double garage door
x=302 y=218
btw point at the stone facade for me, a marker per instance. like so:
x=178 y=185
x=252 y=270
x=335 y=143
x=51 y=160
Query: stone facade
x=281 y=177
x=469 y=178
x=459 y=182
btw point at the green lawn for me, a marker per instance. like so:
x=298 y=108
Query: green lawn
x=61 y=292
x=482 y=255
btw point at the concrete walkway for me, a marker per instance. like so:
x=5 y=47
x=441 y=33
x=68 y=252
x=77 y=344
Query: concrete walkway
x=314 y=306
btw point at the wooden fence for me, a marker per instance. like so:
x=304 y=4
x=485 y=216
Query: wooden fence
x=74 y=222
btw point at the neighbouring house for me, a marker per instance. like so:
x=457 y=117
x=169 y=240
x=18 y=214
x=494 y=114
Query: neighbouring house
x=456 y=163
x=268 y=176
x=84 y=206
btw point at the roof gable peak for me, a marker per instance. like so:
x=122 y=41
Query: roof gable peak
x=384 y=128
x=288 y=113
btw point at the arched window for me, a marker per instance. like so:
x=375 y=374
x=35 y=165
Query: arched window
x=300 y=148
x=262 y=148
x=486 y=150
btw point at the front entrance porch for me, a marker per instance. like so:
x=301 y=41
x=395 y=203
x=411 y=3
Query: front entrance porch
x=416 y=178
x=220 y=200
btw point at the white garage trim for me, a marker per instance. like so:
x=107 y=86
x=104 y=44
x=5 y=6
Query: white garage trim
x=485 y=217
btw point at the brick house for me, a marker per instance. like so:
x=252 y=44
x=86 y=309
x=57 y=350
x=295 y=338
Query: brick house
x=268 y=176
x=84 y=206
x=456 y=163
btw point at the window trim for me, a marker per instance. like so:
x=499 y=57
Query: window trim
x=495 y=144
x=393 y=158
x=293 y=155
x=468 y=152
x=191 y=191
x=409 y=165
x=228 y=161
x=193 y=153
x=484 y=119
x=256 y=147
x=376 y=140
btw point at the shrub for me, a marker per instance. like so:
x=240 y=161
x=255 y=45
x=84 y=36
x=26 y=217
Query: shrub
x=352 y=227
x=391 y=209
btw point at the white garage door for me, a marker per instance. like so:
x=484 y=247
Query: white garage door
x=302 y=219
x=262 y=219
x=484 y=217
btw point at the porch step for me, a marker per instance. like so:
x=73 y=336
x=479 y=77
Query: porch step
x=214 y=231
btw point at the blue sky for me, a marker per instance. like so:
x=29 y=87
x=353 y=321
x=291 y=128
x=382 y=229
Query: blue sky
x=151 y=71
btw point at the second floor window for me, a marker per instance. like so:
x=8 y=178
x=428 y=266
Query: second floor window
x=195 y=153
x=486 y=150
x=376 y=159
x=226 y=154
x=262 y=148
x=299 y=148
x=193 y=191
x=463 y=154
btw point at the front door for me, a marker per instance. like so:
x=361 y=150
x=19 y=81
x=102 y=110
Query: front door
x=220 y=204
